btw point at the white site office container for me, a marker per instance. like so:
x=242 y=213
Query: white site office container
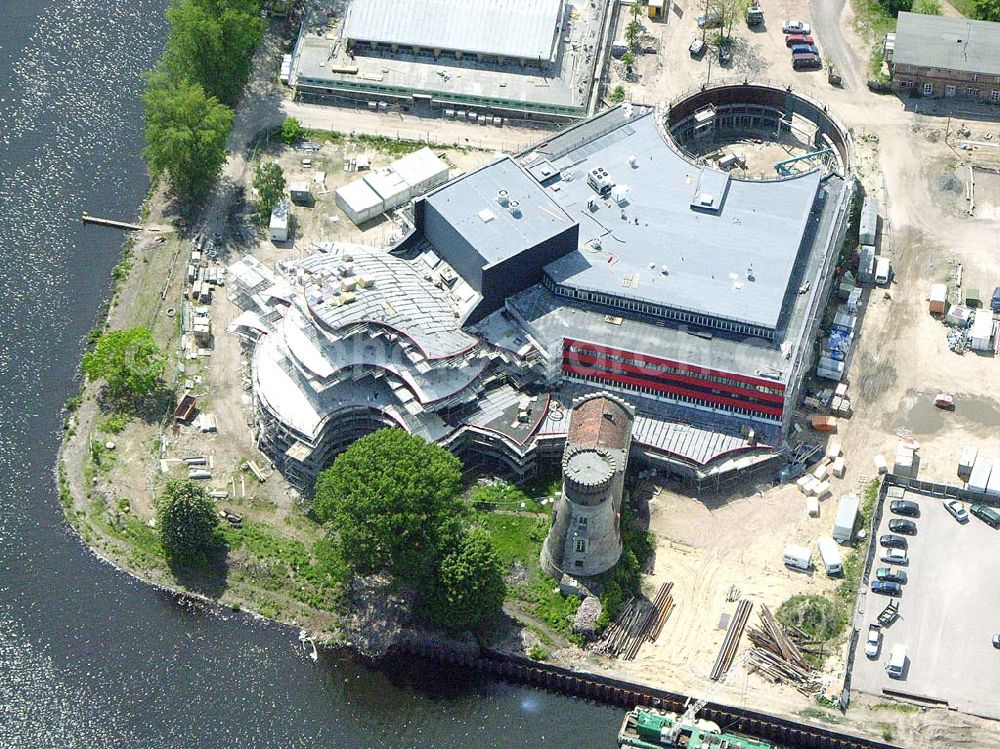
x=830 y=553
x=422 y=170
x=847 y=515
x=278 y=226
x=868 y=225
x=359 y=201
x=798 y=557
x=981 y=335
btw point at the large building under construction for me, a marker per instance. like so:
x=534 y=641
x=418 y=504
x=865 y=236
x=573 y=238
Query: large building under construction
x=605 y=259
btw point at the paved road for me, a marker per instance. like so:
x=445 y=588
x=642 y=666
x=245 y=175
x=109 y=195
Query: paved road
x=827 y=17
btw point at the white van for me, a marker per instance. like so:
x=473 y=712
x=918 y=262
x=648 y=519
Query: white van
x=897 y=661
x=832 y=560
x=882 y=270
x=798 y=557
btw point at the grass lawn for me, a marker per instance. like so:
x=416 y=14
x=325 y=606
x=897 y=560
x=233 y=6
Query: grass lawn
x=516 y=538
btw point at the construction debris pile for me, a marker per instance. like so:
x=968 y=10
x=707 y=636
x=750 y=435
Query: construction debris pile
x=638 y=621
x=776 y=656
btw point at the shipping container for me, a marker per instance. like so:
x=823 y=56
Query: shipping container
x=847 y=515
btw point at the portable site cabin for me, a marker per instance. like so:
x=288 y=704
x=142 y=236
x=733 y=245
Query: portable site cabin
x=981 y=335
x=422 y=170
x=866 y=264
x=958 y=316
x=966 y=461
x=868 y=226
x=847 y=515
x=797 y=557
x=830 y=553
x=360 y=202
x=300 y=192
x=938 y=299
x=278 y=226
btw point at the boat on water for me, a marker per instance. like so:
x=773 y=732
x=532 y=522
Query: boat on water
x=653 y=729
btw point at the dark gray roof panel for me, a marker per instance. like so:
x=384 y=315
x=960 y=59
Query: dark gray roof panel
x=472 y=207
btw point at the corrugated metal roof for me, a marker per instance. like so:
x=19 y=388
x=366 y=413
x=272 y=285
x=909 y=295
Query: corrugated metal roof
x=509 y=28
x=947 y=43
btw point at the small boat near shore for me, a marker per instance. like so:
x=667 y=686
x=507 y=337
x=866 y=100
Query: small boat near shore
x=644 y=728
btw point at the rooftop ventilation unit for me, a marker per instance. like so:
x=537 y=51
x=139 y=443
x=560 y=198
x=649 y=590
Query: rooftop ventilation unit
x=599 y=179
x=515 y=209
x=503 y=198
x=706 y=200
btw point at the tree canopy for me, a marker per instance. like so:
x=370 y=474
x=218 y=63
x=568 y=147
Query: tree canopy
x=186 y=134
x=185 y=516
x=269 y=182
x=129 y=362
x=986 y=10
x=471 y=585
x=212 y=42
x=392 y=500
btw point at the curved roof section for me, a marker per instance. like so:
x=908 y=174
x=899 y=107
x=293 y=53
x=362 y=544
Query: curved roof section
x=398 y=299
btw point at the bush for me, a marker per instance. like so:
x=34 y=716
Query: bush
x=618 y=94
x=818 y=617
x=291 y=130
x=471 y=585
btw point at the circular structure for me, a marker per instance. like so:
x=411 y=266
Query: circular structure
x=702 y=120
x=588 y=473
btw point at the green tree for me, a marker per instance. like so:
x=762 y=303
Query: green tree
x=291 y=130
x=927 y=7
x=212 y=42
x=628 y=60
x=269 y=182
x=186 y=134
x=632 y=32
x=186 y=519
x=618 y=94
x=895 y=7
x=129 y=362
x=392 y=502
x=471 y=584
x=986 y=10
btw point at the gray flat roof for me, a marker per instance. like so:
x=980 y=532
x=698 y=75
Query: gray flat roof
x=525 y=29
x=470 y=206
x=947 y=43
x=730 y=260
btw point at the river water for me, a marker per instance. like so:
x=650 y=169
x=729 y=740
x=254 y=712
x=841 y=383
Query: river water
x=89 y=657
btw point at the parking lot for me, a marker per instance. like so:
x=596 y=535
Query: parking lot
x=948 y=613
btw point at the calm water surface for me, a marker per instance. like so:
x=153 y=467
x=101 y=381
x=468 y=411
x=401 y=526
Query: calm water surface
x=89 y=658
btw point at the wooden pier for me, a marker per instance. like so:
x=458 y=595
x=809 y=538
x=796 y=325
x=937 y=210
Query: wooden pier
x=88 y=219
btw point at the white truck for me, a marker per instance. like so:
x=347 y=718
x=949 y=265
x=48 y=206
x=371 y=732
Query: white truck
x=883 y=270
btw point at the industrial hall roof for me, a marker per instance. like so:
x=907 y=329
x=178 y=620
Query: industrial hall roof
x=525 y=29
x=947 y=43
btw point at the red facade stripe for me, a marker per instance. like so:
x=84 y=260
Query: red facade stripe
x=639 y=358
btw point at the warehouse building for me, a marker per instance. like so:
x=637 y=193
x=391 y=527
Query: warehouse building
x=539 y=279
x=524 y=59
x=946 y=56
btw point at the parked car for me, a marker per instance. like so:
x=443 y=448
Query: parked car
x=887 y=589
x=805 y=49
x=806 y=62
x=904 y=526
x=795 y=27
x=892 y=541
x=995 y=301
x=996 y=640
x=874 y=642
x=710 y=20
x=957 y=511
x=987 y=514
x=905 y=507
x=894 y=556
x=889 y=575
x=725 y=54
x=798 y=39
x=696 y=48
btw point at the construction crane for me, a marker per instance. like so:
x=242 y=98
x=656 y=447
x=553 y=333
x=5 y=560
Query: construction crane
x=784 y=167
x=692 y=710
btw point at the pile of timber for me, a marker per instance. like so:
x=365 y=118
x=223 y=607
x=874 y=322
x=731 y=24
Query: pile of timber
x=731 y=642
x=776 y=656
x=638 y=621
